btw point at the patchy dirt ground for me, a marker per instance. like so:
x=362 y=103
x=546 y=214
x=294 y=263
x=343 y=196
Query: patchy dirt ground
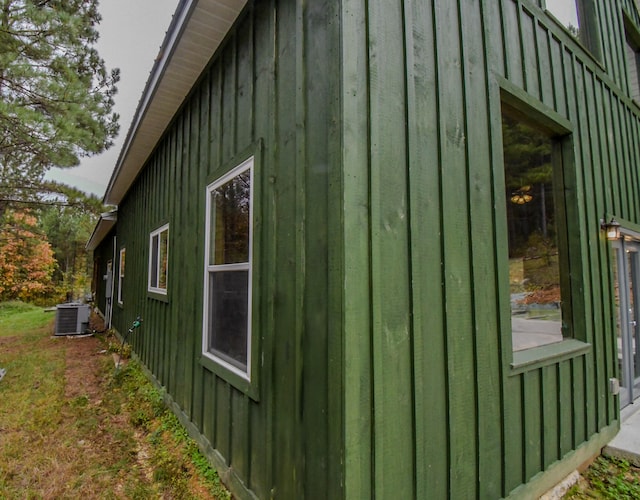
x=83 y=370
x=70 y=427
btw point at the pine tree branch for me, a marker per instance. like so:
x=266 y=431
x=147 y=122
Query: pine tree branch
x=38 y=203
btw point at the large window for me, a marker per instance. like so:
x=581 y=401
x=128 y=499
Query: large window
x=121 y=275
x=159 y=260
x=227 y=282
x=534 y=223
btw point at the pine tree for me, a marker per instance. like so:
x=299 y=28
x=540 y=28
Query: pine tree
x=56 y=96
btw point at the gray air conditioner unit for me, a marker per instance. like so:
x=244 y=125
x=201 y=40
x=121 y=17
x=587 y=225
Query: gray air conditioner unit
x=72 y=319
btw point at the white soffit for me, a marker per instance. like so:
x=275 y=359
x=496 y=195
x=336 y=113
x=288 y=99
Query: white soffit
x=105 y=223
x=197 y=30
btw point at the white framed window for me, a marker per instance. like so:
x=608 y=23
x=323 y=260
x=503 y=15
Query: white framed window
x=158 y=260
x=121 y=264
x=226 y=335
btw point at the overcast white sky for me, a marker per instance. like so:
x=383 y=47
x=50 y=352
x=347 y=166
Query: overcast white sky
x=564 y=10
x=131 y=33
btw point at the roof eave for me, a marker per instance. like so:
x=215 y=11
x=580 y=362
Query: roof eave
x=178 y=66
x=103 y=226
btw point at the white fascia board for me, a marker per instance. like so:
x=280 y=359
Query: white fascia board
x=105 y=223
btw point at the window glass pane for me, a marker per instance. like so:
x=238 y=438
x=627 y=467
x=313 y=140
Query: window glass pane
x=164 y=255
x=633 y=65
x=566 y=12
x=228 y=316
x=154 y=261
x=122 y=261
x=121 y=274
x=231 y=204
x=534 y=267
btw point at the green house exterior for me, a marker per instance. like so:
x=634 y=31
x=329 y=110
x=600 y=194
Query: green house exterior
x=379 y=359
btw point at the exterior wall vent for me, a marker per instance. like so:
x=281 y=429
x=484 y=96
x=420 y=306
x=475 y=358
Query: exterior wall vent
x=72 y=319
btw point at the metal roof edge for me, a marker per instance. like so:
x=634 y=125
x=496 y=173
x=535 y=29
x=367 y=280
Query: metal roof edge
x=106 y=221
x=167 y=48
x=161 y=97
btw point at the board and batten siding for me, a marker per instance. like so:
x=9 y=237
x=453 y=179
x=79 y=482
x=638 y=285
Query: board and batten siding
x=381 y=295
x=433 y=408
x=270 y=91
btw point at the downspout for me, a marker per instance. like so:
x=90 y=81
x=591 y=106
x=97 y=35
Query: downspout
x=113 y=280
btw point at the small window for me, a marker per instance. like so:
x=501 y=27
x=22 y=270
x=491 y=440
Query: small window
x=632 y=52
x=565 y=11
x=159 y=260
x=227 y=283
x=579 y=17
x=533 y=226
x=121 y=275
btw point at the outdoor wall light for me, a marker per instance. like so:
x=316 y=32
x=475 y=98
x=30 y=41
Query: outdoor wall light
x=522 y=195
x=612 y=228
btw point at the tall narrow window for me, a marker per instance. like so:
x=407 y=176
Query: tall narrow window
x=227 y=297
x=121 y=275
x=533 y=226
x=632 y=52
x=158 y=260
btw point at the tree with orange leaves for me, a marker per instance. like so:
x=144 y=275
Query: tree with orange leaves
x=26 y=259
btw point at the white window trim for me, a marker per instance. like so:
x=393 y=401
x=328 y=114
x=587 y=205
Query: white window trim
x=157 y=232
x=121 y=272
x=208 y=269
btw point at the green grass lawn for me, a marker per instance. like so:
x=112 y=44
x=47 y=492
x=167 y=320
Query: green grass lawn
x=607 y=478
x=71 y=426
x=17 y=318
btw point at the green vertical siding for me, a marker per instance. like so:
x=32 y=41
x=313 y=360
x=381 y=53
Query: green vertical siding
x=426 y=284
x=381 y=286
x=358 y=398
x=390 y=298
x=268 y=91
x=429 y=358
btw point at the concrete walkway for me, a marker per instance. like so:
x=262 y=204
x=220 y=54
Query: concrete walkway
x=626 y=444
x=528 y=333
